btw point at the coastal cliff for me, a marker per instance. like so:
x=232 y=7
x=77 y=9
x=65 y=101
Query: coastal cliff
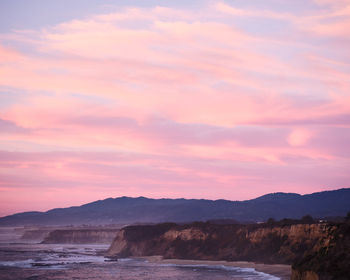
x=260 y=243
x=330 y=262
x=285 y=244
x=81 y=236
x=35 y=234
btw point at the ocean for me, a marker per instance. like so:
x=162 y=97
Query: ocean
x=33 y=261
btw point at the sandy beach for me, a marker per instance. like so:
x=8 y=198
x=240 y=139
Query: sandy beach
x=280 y=270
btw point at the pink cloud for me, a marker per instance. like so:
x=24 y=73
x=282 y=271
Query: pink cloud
x=299 y=137
x=230 y=10
x=172 y=102
x=53 y=173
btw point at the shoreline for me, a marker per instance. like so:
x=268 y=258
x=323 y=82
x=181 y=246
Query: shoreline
x=283 y=271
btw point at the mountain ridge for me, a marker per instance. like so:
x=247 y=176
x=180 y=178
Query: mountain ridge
x=150 y=210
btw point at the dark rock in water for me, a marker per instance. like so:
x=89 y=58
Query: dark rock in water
x=111 y=259
x=46 y=264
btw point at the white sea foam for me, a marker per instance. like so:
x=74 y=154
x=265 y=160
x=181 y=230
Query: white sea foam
x=125 y=260
x=59 y=257
x=21 y=263
x=242 y=270
x=267 y=276
x=72 y=258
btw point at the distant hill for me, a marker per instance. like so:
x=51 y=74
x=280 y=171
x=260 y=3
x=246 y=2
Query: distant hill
x=127 y=210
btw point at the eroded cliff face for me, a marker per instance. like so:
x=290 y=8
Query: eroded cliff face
x=81 y=236
x=295 y=233
x=278 y=244
x=317 y=251
x=331 y=261
x=304 y=275
x=35 y=235
x=295 y=240
x=185 y=234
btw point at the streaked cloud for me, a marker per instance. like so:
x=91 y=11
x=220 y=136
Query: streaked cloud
x=229 y=100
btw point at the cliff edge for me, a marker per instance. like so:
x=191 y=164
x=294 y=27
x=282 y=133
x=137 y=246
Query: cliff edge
x=80 y=236
x=290 y=244
x=330 y=262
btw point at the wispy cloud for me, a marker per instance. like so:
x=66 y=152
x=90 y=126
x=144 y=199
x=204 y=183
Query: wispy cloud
x=228 y=100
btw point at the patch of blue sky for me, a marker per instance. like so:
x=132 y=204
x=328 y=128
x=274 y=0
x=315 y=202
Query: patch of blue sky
x=302 y=86
x=261 y=26
x=29 y=49
x=35 y=14
x=136 y=24
x=9 y=96
x=294 y=7
x=185 y=4
x=303 y=100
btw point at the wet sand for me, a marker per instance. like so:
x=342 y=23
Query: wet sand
x=282 y=271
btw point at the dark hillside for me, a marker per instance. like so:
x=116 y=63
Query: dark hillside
x=126 y=210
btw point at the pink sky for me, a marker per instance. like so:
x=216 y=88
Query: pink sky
x=216 y=100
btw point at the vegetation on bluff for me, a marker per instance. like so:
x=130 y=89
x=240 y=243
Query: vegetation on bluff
x=231 y=242
x=331 y=261
x=318 y=248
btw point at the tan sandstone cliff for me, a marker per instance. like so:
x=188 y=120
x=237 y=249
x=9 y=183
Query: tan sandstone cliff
x=289 y=244
x=281 y=244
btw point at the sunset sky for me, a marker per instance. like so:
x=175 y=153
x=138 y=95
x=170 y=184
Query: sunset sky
x=194 y=99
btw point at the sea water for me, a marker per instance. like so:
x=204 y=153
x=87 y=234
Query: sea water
x=34 y=261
